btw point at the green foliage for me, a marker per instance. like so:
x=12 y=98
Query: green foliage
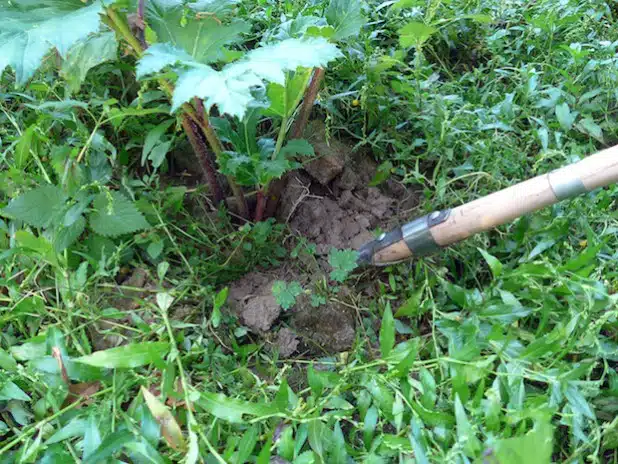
x=343 y=262
x=114 y=215
x=231 y=88
x=500 y=350
x=29 y=30
x=37 y=207
x=286 y=293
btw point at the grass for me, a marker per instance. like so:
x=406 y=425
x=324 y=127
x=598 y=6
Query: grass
x=503 y=349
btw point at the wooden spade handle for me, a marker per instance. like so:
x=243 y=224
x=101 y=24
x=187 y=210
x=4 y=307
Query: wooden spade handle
x=504 y=206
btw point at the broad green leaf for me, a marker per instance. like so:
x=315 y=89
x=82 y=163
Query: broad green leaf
x=565 y=117
x=338 y=452
x=465 y=433
x=92 y=437
x=346 y=18
x=116 y=217
x=67 y=235
x=535 y=447
x=285 y=293
x=202 y=38
x=29 y=30
x=415 y=34
x=369 y=425
x=285 y=98
x=7 y=362
x=158 y=57
x=494 y=264
x=75 y=428
x=343 y=262
x=387 y=332
x=157 y=155
x=169 y=427
x=37 y=207
x=23 y=147
x=213 y=7
x=85 y=55
x=297 y=147
x=10 y=391
x=127 y=356
x=588 y=126
x=153 y=136
x=232 y=410
x=231 y=88
x=247 y=444
x=111 y=444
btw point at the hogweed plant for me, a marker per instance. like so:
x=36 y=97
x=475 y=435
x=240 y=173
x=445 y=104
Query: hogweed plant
x=221 y=86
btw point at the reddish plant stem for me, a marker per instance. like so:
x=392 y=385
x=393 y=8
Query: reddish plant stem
x=276 y=187
x=305 y=110
x=203 y=157
x=260 y=205
x=141 y=25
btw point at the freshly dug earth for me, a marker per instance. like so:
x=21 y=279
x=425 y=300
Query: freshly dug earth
x=330 y=203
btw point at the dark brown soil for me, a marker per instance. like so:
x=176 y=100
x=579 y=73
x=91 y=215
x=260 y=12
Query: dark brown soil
x=330 y=203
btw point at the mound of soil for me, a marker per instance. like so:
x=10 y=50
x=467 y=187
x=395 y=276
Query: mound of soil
x=330 y=203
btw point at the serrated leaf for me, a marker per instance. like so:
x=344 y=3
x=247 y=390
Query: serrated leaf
x=127 y=356
x=37 y=207
x=297 y=147
x=85 y=55
x=67 y=235
x=23 y=147
x=231 y=88
x=117 y=217
x=343 y=262
x=415 y=33
x=158 y=57
x=346 y=18
x=28 y=30
x=203 y=38
x=285 y=293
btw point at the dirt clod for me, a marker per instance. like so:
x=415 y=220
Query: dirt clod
x=328 y=328
x=287 y=342
x=332 y=204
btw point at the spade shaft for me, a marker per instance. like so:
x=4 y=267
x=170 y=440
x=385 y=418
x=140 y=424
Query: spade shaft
x=430 y=233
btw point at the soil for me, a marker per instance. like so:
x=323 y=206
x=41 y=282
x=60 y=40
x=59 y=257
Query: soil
x=330 y=203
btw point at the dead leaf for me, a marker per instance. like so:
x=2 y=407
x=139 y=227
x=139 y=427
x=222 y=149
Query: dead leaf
x=169 y=427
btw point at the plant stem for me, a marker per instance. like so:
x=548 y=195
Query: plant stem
x=203 y=157
x=140 y=23
x=281 y=137
x=123 y=28
x=276 y=187
x=260 y=205
x=305 y=110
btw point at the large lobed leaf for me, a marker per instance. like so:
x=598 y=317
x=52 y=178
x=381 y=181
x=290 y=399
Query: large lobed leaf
x=202 y=38
x=346 y=17
x=85 y=55
x=28 y=30
x=231 y=88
